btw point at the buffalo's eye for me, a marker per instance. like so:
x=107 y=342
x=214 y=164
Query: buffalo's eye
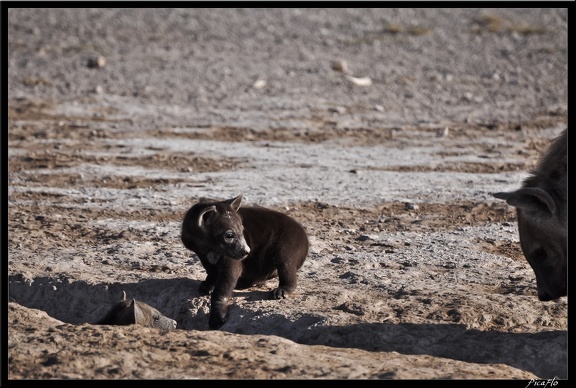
x=156 y=318
x=229 y=236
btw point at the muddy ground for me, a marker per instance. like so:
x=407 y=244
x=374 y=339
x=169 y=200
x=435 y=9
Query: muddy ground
x=415 y=270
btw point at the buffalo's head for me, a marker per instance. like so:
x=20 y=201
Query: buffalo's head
x=542 y=227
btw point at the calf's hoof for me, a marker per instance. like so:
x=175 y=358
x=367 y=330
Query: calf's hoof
x=205 y=288
x=280 y=293
x=216 y=322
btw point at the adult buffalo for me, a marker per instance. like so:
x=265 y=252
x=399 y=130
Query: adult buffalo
x=542 y=213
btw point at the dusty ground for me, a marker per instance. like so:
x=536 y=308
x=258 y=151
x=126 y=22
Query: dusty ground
x=415 y=271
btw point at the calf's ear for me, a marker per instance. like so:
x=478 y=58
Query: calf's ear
x=235 y=202
x=530 y=198
x=204 y=215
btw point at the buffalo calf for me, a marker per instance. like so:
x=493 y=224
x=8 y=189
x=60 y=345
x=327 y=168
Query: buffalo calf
x=240 y=247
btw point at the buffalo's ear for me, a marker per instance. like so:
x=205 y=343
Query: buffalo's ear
x=130 y=313
x=502 y=195
x=530 y=198
x=204 y=215
x=139 y=315
x=235 y=202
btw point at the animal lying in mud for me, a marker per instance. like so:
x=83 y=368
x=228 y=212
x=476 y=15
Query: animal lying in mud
x=240 y=247
x=541 y=211
x=130 y=312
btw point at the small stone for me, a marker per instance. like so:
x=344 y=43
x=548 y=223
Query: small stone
x=443 y=132
x=337 y=109
x=259 y=84
x=96 y=62
x=340 y=66
x=410 y=206
x=468 y=96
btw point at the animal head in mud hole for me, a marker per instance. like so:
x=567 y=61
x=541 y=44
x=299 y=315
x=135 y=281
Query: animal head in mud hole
x=218 y=228
x=541 y=210
x=130 y=312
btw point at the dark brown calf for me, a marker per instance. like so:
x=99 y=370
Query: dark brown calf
x=240 y=247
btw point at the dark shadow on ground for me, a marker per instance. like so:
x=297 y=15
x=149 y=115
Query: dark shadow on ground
x=545 y=354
